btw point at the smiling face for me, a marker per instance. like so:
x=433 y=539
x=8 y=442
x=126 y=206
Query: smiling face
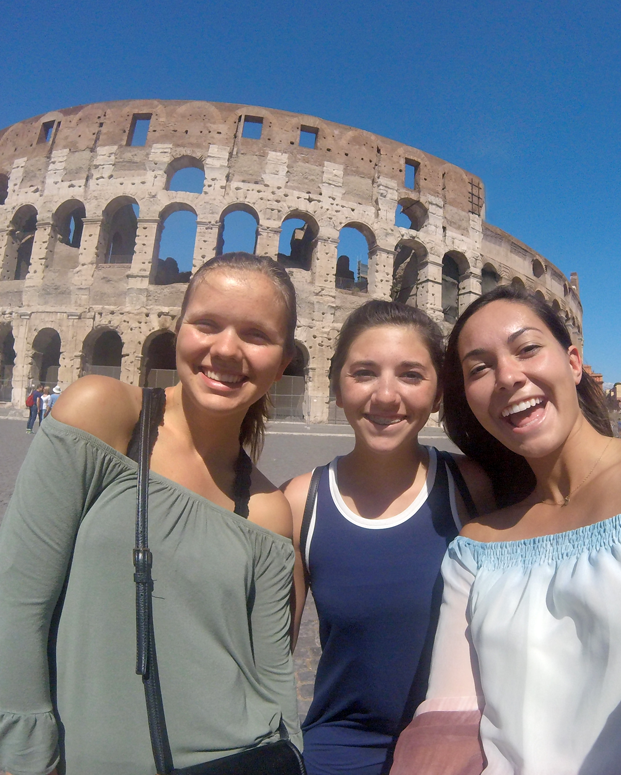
x=388 y=387
x=520 y=382
x=231 y=341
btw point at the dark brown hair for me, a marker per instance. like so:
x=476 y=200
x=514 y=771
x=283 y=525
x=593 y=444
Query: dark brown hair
x=386 y=313
x=252 y=431
x=512 y=477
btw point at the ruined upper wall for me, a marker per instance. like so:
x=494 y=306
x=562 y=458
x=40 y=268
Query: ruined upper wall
x=194 y=126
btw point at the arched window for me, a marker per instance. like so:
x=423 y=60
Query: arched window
x=19 y=244
x=186 y=173
x=102 y=353
x=239 y=228
x=408 y=255
x=489 y=278
x=538 y=268
x=410 y=214
x=450 y=288
x=298 y=239
x=175 y=248
x=159 y=360
x=518 y=283
x=7 y=362
x=289 y=393
x=121 y=224
x=352 y=263
x=69 y=222
x=46 y=357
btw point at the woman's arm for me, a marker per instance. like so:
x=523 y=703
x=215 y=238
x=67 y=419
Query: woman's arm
x=479 y=486
x=443 y=738
x=296 y=491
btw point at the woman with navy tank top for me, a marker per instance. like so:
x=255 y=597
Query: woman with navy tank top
x=373 y=528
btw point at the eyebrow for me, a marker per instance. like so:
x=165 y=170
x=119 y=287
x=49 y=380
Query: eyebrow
x=406 y=364
x=477 y=352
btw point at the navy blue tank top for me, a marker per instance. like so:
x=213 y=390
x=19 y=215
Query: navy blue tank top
x=377 y=587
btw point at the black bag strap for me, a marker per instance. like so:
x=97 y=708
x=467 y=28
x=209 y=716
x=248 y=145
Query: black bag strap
x=146 y=657
x=460 y=482
x=311 y=497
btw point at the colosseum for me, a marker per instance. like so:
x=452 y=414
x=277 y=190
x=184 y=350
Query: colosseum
x=87 y=192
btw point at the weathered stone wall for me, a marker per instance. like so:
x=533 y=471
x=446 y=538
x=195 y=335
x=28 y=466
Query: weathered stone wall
x=80 y=158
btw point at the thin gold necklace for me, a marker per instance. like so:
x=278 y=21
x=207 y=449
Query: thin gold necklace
x=567 y=498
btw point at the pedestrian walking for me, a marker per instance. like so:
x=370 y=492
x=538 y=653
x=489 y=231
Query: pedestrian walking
x=32 y=402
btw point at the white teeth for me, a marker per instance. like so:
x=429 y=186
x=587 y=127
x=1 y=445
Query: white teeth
x=521 y=406
x=383 y=420
x=219 y=377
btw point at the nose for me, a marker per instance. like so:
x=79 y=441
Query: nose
x=509 y=375
x=225 y=344
x=386 y=391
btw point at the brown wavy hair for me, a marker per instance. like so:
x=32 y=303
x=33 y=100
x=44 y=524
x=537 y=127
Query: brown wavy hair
x=252 y=431
x=511 y=476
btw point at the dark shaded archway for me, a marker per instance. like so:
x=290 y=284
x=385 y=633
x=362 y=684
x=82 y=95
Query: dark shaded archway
x=159 y=360
x=46 y=357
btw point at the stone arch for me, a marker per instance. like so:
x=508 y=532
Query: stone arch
x=45 y=357
x=174 y=250
x=4 y=187
x=298 y=240
x=358 y=239
x=517 y=282
x=556 y=307
x=102 y=352
x=540 y=295
x=120 y=224
x=159 y=368
x=454 y=268
x=69 y=222
x=288 y=395
x=538 y=268
x=7 y=361
x=411 y=214
x=490 y=278
x=20 y=242
x=409 y=253
x=185 y=173
x=237 y=230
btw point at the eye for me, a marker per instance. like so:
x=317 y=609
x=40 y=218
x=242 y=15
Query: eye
x=412 y=376
x=257 y=335
x=362 y=375
x=477 y=370
x=530 y=349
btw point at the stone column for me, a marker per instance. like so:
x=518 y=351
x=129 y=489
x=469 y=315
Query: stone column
x=381 y=262
x=23 y=358
x=142 y=262
x=469 y=287
x=206 y=242
x=267 y=241
x=92 y=249
x=317 y=382
x=8 y=267
x=429 y=289
x=71 y=351
x=323 y=271
x=41 y=249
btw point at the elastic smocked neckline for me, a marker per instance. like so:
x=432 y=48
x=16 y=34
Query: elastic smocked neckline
x=547 y=549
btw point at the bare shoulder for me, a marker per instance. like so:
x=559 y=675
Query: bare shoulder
x=497 y=525
x=268 y=506
x=478 y=482
x=296 y=491
x=101 y=406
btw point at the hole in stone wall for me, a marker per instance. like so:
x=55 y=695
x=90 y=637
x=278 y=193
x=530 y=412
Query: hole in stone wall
x=308 y=136
x=47 y=132
x=122 y=230
x=176 y=248
x=4 y=188
x=297 y=243
x=189 y=179
x=253 y=126
x=352 y=263
x=139 y=129
x=238 y=232
x=410 y=173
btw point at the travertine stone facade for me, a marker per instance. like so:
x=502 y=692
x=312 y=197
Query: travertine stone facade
x=77 y=264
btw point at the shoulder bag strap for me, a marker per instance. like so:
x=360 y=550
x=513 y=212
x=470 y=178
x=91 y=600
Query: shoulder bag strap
x=146 y=657
x=460 y=482
x=311 y=497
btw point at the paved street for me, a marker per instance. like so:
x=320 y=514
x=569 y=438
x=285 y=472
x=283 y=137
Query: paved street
x=290 y=449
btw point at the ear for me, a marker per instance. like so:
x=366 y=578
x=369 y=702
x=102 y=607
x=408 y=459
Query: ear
x=575 y=362
x=437 y=401
x=281 y=369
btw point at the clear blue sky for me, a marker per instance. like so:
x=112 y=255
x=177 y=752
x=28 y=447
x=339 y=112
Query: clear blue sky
x=525 y=95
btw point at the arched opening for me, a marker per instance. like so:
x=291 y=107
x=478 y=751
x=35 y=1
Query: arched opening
x=518 y=283
x=288 y=395
x=556 y=307
x=176 y=239
x=489 y=278
x=159 y=360
x=454 y=267
x=352 y=263
x=538 y=268
x=298 y=240
x=69 y=222
x=7 y=362
x=46 y=357
x=408 y=255
x=540 y=295
x=19 y=244
x=239 y=230
x=102 y=353
x=4 y=188
x=410 y=214
x=121 y=224
x=186 y=173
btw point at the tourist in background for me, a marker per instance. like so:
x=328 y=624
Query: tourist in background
x=53 y=398
x=383 y=517
x=526 y=673
x=32 y=402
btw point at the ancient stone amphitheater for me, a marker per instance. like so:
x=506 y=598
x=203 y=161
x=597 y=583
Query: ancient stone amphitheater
x=85 y=194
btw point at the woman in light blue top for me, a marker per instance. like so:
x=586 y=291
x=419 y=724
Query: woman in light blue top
x=526 y=673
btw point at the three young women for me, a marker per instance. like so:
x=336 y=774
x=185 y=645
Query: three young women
x=382 y=520
x=526 y=673
x=69 y=695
